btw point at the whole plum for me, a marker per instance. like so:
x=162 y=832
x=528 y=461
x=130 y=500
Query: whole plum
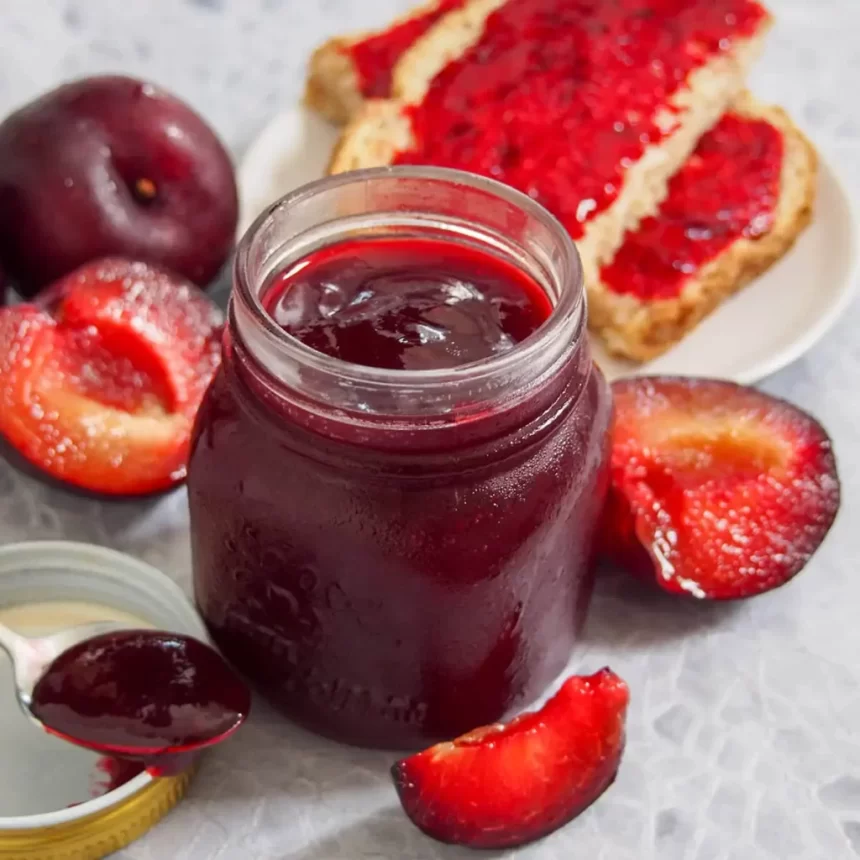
x=109 y=166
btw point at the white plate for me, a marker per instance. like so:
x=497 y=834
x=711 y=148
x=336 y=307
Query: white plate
x=764 y=328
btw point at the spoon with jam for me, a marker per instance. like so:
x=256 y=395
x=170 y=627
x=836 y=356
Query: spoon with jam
x=144 y=695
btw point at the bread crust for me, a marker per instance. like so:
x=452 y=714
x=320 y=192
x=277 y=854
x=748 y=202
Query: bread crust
x=373 y=138
x=642 y=330
x=333 y=87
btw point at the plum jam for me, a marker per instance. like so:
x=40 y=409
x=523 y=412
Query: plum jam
x=145 y=695
x=727 y=190
x=407 y=304
x=395 y=477
x=375 y=56
x=559 y=98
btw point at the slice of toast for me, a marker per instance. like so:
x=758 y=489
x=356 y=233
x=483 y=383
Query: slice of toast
x=345 y=71
x=663 y=306
x=384 y=131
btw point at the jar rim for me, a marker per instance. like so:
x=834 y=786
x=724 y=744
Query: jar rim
x=570 y=301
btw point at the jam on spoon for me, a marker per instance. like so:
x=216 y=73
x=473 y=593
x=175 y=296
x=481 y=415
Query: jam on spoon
x=144 y=695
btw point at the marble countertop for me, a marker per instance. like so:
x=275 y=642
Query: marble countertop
x=744 y=734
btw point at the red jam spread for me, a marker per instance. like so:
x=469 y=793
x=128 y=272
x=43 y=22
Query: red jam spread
x=727 y=190
x=407 y=303
x=559 y=98
x=376 y=56
x=142 y=694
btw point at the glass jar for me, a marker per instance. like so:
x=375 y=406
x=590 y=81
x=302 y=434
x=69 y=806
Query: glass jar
x=399 y=556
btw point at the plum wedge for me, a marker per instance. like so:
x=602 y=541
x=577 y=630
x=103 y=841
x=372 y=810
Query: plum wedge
x=505 y=785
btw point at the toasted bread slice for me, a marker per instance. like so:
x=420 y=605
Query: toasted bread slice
x=384 y=128
x=640 y=328
x=338 y=82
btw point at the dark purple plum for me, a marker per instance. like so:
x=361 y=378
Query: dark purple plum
x=110 y=166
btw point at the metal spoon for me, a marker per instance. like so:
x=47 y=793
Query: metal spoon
x=31 y=656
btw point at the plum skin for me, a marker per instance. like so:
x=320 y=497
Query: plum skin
x=111 y=165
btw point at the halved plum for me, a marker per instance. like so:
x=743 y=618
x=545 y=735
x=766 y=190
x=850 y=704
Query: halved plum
x=718 y=491
x=101 y=379
x=505 y=785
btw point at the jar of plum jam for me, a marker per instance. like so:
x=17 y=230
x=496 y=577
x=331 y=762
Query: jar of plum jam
x=395 y=476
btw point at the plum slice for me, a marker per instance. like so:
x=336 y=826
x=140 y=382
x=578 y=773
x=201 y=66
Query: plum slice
x=505 y=785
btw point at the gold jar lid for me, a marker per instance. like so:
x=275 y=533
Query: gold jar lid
x=101 y=833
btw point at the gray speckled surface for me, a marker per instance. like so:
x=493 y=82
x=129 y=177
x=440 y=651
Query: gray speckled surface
x=744 y=737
